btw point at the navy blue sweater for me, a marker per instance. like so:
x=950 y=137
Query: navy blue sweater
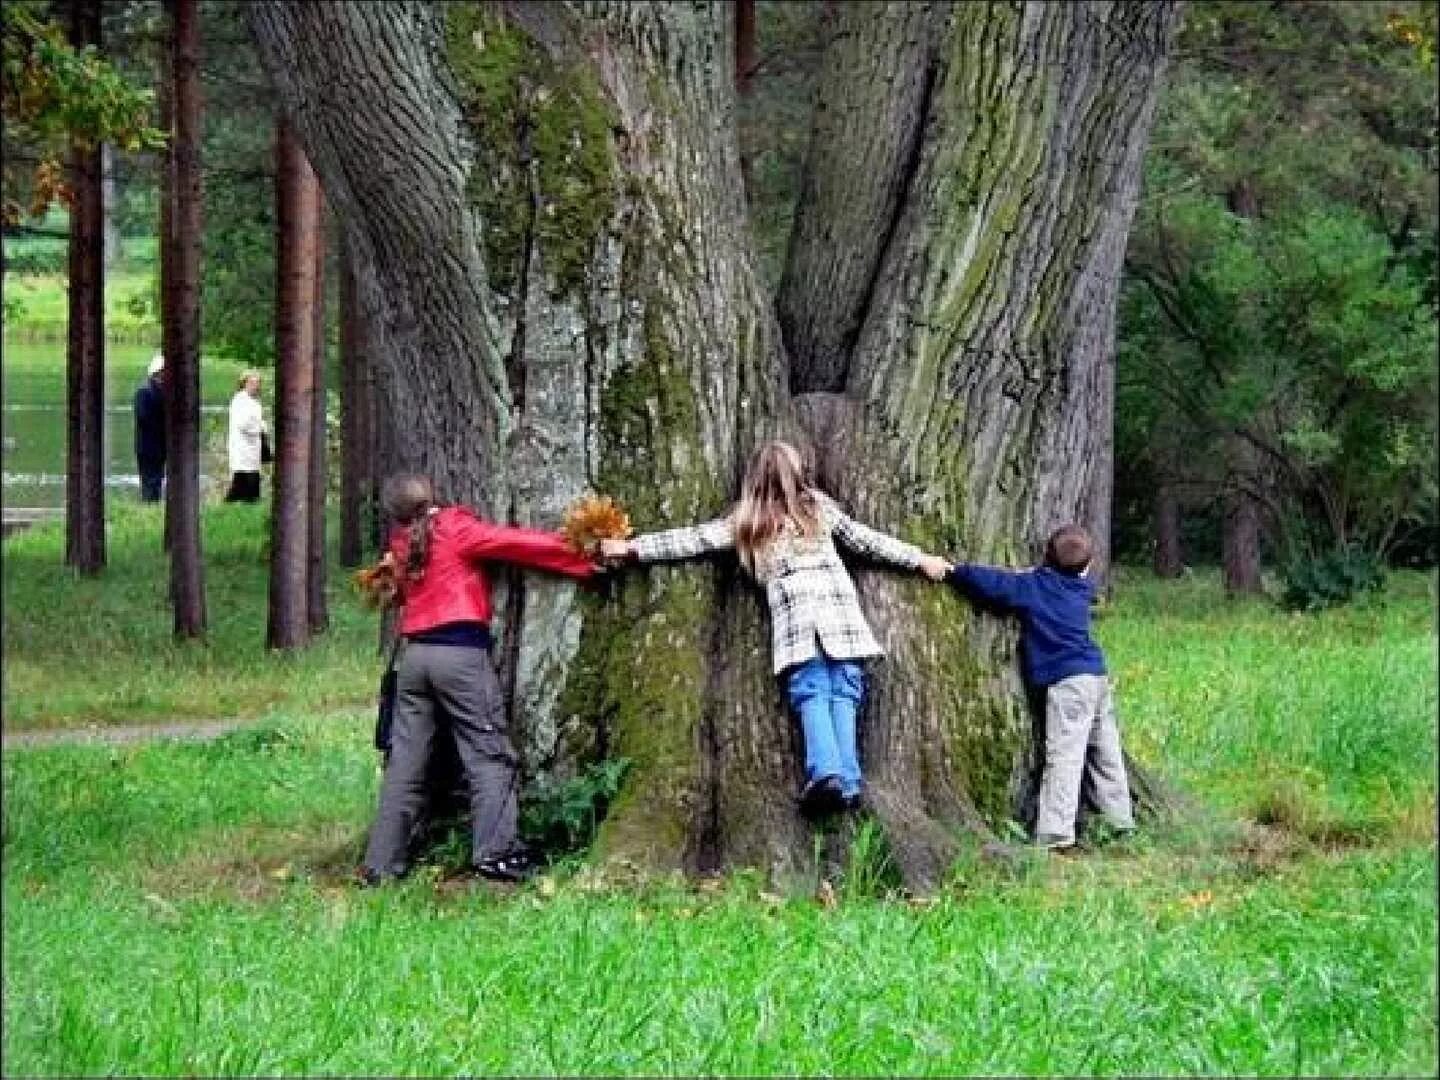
x=1054 y=611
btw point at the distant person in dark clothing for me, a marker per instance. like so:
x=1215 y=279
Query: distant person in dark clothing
x=150 y=430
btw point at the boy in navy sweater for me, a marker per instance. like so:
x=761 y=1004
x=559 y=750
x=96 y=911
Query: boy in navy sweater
x=1061 y=662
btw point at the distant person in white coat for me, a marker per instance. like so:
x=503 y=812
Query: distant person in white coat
x=247 y=435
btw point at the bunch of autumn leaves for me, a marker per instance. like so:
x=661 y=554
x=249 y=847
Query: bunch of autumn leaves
x=588 y=520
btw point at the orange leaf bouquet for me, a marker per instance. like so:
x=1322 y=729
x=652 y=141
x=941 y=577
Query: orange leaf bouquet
x=377 y=583
x=592 y=518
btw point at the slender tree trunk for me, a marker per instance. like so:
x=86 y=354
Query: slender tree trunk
x=85 y=347
x=746 y=60
x=357 y=441
x=1169 y=559
x=318 y=612
x=182 y=367
x=586 y=309
x=297 y=195
x=165 y=103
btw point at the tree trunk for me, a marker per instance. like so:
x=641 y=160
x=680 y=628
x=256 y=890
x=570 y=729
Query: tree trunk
x=182 y=363
x=317 y=610
x=357 y=440
x=1169 y=559
x=165 y=107
x=297 y=198
x=558 y=262
x=1240 y=542
x=85 y=345
x=745 y=63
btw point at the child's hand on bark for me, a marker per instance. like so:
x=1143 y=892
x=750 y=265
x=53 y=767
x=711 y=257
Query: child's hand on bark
x=934 y=567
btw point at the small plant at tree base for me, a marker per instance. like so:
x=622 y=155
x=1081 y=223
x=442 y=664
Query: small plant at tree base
x=1318 y=582
x=558 y=817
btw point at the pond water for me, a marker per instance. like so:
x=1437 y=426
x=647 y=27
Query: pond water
x=34 y=420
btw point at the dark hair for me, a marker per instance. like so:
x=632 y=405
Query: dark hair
x=1069 y=550
x=408 y=499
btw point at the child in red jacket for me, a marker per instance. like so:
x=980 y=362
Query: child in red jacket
x=445 y=674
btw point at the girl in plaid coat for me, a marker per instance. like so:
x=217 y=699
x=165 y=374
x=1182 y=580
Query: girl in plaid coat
x=784 y=531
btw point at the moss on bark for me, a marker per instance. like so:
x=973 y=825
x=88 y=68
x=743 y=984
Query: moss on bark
x=543 y=144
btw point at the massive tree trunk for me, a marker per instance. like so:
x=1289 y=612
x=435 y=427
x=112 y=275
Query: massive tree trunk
x=85 y=346
x=357 y=422
x=297 y=211
x=554 y=246
x=317 y=610
x=182 y=361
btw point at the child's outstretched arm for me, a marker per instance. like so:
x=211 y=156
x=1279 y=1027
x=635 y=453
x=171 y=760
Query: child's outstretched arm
x=525 y=547
x=1005 y=589
x=874 y=544
x=683 y=543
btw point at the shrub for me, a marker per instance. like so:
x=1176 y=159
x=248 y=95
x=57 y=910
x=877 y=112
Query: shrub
x=1317 y=582
x=561 y=816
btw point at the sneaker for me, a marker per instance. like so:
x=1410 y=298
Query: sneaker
x=513 y=866
x=366 y=878
x=821 y=796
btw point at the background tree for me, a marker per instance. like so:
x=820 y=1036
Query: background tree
x=85 y=348
x=1279 y=311
x=559 y=263
x=181 y=301
x=357 y=423
x=317 y=612
x=297 y=214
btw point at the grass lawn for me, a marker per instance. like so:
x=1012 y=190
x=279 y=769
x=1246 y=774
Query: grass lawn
x=183 y=908
x=80 y=651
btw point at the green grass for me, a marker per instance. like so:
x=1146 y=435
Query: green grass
x=80 y=651
x=36 y=305
x=1325 y=723
x=180 y=908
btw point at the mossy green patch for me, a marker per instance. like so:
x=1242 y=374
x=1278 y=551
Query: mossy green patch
x=544 y=163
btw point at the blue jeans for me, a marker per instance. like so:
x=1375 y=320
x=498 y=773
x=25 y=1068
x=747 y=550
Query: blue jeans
x=826 y=694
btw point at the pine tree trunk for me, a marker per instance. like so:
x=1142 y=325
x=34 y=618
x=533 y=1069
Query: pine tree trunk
x=182 y=365
x=297 y=196
x=357 y=440
x=85 y=346
x=1169 y=558
x=558 y=262
x=317 y=610
x=165 y=107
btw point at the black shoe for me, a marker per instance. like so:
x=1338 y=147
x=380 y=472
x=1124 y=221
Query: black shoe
x=852 y=804
x=367 y=878
x=513 y=866
x=821 y=796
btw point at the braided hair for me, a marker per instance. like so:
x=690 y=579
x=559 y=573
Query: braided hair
x=410 y=500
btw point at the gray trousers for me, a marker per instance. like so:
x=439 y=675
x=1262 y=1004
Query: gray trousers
x=1082 y=743
x=461 y=681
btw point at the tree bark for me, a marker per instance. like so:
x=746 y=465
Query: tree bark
x=165 y=107
x=317 y=609
x=85 y=345
x=182 y=363
x=1240 y=543
x=357 y=439
x=557 y=258
x=297 y=196
x=1169 y=558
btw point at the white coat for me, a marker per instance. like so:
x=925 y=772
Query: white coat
x=247 y=421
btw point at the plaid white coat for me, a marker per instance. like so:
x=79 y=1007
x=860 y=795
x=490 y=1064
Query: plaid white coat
x=813 y=604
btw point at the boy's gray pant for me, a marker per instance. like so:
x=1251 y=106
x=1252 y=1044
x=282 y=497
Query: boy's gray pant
x=1081 y=743
x=461 y=681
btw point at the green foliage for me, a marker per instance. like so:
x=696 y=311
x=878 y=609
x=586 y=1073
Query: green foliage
x=1314 y=583
x=562 y=816
x=55 y=94
x=1278 y=323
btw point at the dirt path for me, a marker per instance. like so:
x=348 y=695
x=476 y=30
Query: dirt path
x=187 y=731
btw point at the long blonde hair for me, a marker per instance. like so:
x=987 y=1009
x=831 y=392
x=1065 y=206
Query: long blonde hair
x=773 y=495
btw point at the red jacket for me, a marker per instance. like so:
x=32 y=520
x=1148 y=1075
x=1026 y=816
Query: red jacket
x=453 y=587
